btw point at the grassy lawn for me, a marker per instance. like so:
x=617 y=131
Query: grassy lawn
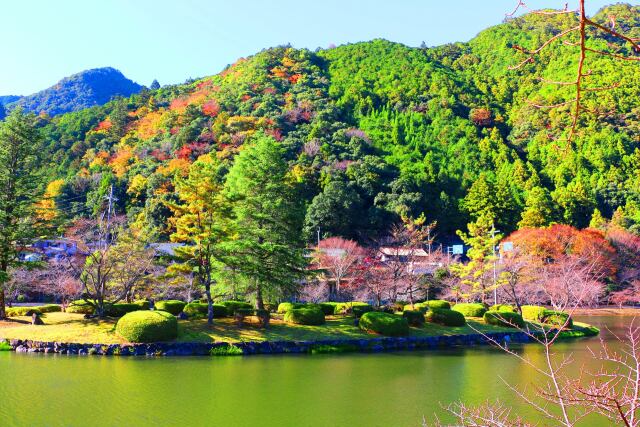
x=63 y=327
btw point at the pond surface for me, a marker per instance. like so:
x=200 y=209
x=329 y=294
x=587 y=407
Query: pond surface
x=393 y=389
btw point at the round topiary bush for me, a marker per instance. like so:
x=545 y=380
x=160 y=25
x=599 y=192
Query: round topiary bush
x=232 y=306
x=414 y=317
x=197 y=309
x=304 y=316
x=283 y=307
x=384 y=324
x=147 y=326
x=446 y=317
x=470 y=309
x=172 y=306
x=502 y=308
x=420 y=306
x=504 y=318
x=49 y=308
x=80 y=307
x=437 y=303
x=356 y=308
x=120 y=309
x=557 y=318
x=533 y=312
x=143 y=304
x=328 y=308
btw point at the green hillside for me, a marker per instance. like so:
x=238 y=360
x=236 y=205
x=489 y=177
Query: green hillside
x=374 y=130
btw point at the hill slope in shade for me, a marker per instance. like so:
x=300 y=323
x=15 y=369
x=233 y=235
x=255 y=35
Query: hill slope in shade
x=78 y=91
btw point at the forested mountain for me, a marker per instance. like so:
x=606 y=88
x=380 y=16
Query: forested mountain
x=375 y=130
x=6 y=99
x=78 y=91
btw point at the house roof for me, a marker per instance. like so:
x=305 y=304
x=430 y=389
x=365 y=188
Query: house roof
x=392 y=251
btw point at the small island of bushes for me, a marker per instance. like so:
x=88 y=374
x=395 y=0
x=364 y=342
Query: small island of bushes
x=237 y=323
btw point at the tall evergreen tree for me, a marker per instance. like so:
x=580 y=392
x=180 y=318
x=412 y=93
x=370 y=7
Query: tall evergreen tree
x=21 y=185
x=268 y=248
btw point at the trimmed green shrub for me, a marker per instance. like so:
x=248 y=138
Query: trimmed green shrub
x=414 y=317
x=502 y=308
x=80 y=307
x=557 y=318
x=5 y=346
x=445 y=316
x=21 y=311
x=533 y=312
x=357 y=308
x=328 y=308
x=504 y=318
x=245 y=311
x=283 y=307
x=437 y=303
x=304 y=316
x=471 y=309
x=49 y=308
x=197 y=309
x=147 y=326
x=232 y=306
x=120 y=309
x=143 y=304
x=384 y=324
x=419 y=306
x=172 y=306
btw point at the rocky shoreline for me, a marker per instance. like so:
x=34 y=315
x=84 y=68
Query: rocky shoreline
x=378 y=344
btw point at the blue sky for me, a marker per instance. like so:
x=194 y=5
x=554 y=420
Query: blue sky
x=45 y=40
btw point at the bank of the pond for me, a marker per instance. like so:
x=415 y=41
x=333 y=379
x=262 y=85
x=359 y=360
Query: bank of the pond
x=364 y=345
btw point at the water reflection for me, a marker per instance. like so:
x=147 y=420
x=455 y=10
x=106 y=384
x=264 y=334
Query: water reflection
x=375 y=389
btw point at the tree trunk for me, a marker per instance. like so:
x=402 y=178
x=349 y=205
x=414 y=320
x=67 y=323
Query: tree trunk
x=207 y=291
x=3 y=314
x=259 y=300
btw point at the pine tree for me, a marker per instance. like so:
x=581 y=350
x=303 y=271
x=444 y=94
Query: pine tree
x=597 y=220
x=268 y=248
x=477 y=274
x=538 y=211
x=21 y=186
x=154 y=85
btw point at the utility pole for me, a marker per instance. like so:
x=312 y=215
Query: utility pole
x=110 y=199
x=493 y=248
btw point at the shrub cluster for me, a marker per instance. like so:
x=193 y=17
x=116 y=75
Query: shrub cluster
x=533 y=312
x=147 y=326
x=356 y=308
x=283 y=307
x=419 y=306
x=445 y=316
x=233 y=306
x=557 y=318
x=198 y=309
x=21 y=311
x=471 y=309
x=304 y=316
x=504 y=318
x=172 y=306
x=502 y=308
x=120 y=309
x=49 y=308
x=80 y=307
x=414 y=317
x=328 y=308
x=384 y=324
x=437 y=303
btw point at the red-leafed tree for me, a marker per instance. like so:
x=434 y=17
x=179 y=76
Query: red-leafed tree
x=337 y=258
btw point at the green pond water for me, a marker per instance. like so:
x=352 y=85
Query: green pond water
x=393 y=389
